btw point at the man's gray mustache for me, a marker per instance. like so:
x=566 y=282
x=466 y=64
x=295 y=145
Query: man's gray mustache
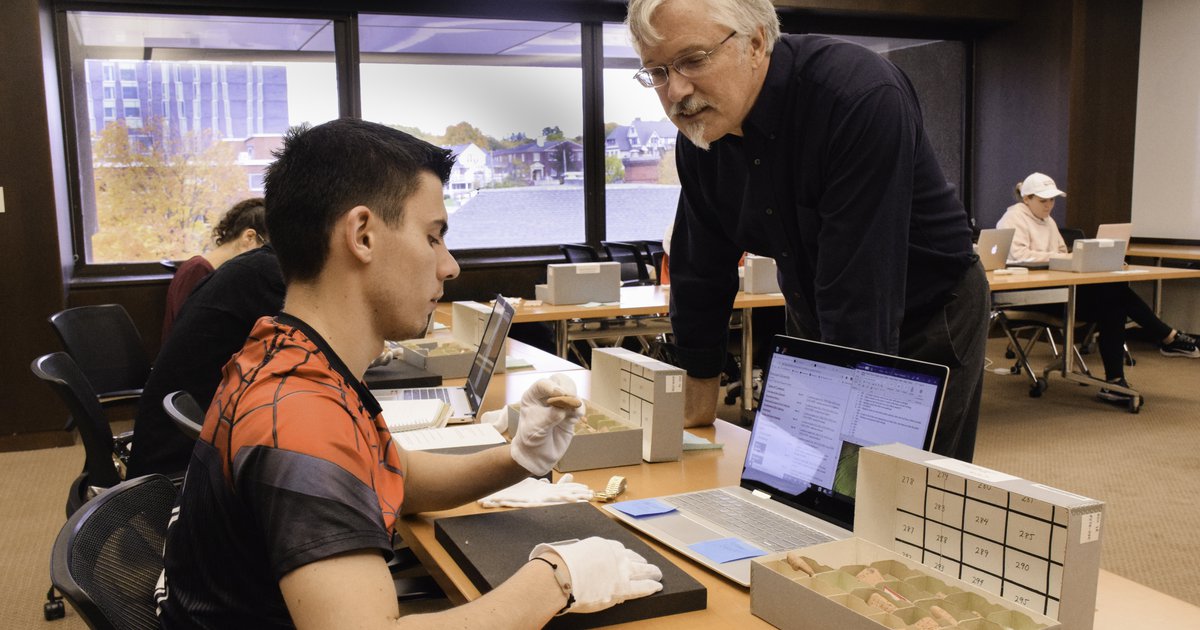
x=688 y=107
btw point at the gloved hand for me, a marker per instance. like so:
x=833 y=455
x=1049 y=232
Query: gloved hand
x=497 y=418
x=532 y=492
x=603 y=572
x=544 y=428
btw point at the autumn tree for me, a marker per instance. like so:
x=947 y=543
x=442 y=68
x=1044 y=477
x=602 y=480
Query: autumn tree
x=159 y=194
x=667 y=171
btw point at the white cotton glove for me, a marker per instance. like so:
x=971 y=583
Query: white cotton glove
x=497 y=418
x=544 y=430
x=603 y=572
x=530 y=492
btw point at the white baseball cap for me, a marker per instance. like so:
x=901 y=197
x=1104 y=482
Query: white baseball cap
x=1040 y=185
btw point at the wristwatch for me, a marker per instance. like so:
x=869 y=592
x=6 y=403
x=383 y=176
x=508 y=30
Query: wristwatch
x=615 y=487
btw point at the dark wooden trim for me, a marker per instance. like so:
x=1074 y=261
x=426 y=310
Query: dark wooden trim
x=36 y=440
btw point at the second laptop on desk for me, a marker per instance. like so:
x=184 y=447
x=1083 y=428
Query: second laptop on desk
x=409 y=409
x=820 y=404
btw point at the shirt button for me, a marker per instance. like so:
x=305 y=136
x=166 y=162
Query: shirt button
x=770 y=211
x=784 y=254
x=757 y=161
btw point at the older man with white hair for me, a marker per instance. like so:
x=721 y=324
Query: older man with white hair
x=813 y=151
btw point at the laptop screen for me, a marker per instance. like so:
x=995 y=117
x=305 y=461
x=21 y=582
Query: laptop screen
x=491 y=344
x=820 y=404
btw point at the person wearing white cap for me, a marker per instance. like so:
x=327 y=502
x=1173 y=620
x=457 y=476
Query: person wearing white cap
x=1037 y=238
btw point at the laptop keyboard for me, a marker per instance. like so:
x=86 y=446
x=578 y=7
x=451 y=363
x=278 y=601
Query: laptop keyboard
x=755 y=524
x=426 y=393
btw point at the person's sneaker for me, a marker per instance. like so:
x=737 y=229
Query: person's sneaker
x=1113 y=396
x=1183 y=346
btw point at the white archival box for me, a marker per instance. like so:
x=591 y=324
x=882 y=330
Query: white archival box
x=1092 y=254
x=760 y=275
x=647 y=393
x=580 y=283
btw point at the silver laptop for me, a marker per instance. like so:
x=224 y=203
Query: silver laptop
x=1116 y=232
x=464 y=400
x=993 y=246
x=820 y=404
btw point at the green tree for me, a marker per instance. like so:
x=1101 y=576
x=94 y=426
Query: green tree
x=553 y=133
x=158 y=195
x=614 y=170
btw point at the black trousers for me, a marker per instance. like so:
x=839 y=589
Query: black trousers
x=954 y=336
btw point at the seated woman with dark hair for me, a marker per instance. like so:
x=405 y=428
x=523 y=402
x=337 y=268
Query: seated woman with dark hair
x=243 y=228
x=1037 y=239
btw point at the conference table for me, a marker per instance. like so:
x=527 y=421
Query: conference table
x=1122 y=604
x=1160 y=253
x=1046 y=279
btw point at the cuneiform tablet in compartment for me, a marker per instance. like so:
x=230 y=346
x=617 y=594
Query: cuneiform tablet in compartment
x=944 y=507
x=943 y=540
x=1017 y=593
x=1029 y=535
x=984 y=519
x=910 y=528
x=1032 y=507
x=910 y=487
x=982 y=579
x=984 y=554
x=1028 y=571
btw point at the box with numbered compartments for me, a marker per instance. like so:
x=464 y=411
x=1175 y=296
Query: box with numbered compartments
x=646 y=393
x=452 y=358
x=1032 y=549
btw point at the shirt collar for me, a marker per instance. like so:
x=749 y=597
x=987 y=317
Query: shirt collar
x=364 y=394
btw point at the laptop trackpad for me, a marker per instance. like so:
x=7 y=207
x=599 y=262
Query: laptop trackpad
x=685 y=529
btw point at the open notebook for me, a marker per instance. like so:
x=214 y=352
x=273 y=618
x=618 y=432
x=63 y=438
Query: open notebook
x=821 y=403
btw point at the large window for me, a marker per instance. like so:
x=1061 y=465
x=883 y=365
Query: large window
x=506 y=97
x=200 y=98
x=176 y=116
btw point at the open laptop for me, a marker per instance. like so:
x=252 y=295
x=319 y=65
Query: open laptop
x=1116 y=232
x=464 y=400
x=993 y=246
x=820 y=404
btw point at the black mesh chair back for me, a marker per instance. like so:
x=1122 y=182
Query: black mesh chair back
x=107 y=558
x=1070 y=235
x=634 y=265
x=576 y=253
x=185 y=412
x=59 y=370
x=106 y=345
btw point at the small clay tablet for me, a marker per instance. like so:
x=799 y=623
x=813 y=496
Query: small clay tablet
x=881 y=602
x=941 y=613
x=926 y=623
x=870 y=575
x=797 y=562
x=564 y=402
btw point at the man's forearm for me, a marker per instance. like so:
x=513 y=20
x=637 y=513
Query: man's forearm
x=439 y=482
x=700 y=401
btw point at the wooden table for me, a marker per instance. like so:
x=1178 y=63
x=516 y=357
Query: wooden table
x=1160 y=253
x=1043 y=279
x=1121 y=604
x=641 y=302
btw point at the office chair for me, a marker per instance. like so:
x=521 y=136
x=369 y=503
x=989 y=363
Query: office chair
x=169 y=265
x=105 y=456
x=185 y=412
x=577 y=253
x=106 y=345
x=635 y=267
x=654 y=255
x=107 y=558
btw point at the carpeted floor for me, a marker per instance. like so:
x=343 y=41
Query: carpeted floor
x=1144 y=466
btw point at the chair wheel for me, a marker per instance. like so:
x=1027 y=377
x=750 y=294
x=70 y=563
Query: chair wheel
x=1009 y=354
x=729 y=400
x=1035 y=390
x=1130 y=361
x=54 y=610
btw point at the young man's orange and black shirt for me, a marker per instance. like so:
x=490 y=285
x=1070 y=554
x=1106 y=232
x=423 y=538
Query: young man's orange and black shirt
x=295 y=464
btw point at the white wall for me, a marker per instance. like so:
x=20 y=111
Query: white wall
x=1166 y=168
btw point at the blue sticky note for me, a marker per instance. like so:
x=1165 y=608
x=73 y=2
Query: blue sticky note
x=643 y=507
x=726 y=550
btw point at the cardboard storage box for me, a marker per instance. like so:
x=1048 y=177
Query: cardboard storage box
x=647 y=393
x=580 y=283
x=617 y=445
x=450 y=359
x=1029 y=547
x=467 y=323
x=760 y=275
x=837 y=595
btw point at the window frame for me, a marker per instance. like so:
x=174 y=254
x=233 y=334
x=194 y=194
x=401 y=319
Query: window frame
x=591 y=15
